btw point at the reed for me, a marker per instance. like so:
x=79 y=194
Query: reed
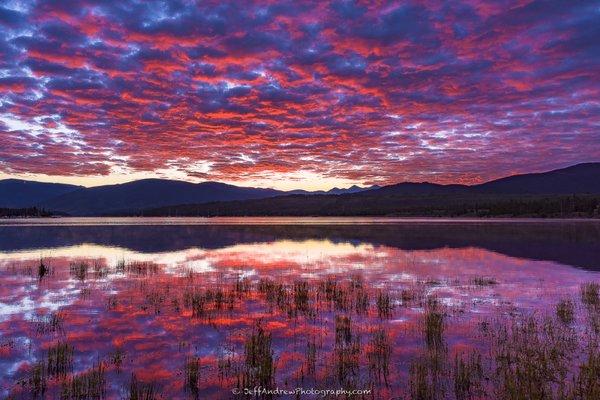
x=79 y=270
x=89 y=385
x=434 y=325
x=60 y=360
x=259 y=365
x=384 y=305
x=379 y=355
x=484 y=281
x=590 y=294
x=565 y=311
x=139 y=390
x=468 y=376
x=192 y=375
x=49 y=324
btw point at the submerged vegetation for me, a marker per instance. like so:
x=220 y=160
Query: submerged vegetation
x=332 y=331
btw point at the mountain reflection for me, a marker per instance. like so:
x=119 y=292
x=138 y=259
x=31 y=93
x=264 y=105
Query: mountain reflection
x=570 y=243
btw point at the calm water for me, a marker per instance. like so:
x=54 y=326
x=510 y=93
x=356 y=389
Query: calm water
x=121 y=293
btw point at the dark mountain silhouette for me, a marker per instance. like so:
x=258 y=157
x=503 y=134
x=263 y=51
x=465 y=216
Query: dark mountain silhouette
x=335 y=190
x=580 y=178
x=568 y=192
x=527 y=194
x=577 y=179
x=131 y=196
x=148 y=193
x=17 y=193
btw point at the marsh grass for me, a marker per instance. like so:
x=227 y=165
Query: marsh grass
x=586 y=385
x=434 y=324
x=350 y=338
x=379 y=355
x=139 y=390
x=141 y=268
x=100 y=270
x=347 y=350
x=565 y=311
x=116 y=358
x=192 y=375
x=484 y=281
x=79 y=270
x=311 y=356
x=384 y=305
x=590 y=294
x=259 y=364
x=426 y=375
x=42 y=269
x=60 y=360
x=50 y=323
x=532 y=357
x=468 y=376
x=89 y=385
x=36 y=384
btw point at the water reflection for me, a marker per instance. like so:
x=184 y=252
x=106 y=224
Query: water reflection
x=157 y=301
x=571 y=243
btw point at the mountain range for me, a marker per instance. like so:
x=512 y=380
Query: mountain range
x=132 y=196
x=169 y=197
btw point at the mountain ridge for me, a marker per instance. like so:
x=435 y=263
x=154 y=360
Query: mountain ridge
x=153 y=193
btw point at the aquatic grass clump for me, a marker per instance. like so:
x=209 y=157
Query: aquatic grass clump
x=565 y=311
x=141 y=268
x=311 y=356
x=343 y=330
x=259 y=365
x=197 y=301
x=384 y=305
x=301 y=296
x=275 y=293
x=116 y=358
x=49 y=324
x=100 y=270
x=89 y=385
x=242 y=286
x=590 y=294
x=347 y=350
x=531 y=358
x=42 y=270
x=425 y=377
x=361 y=301
x=484 y=281
x=79 y=270
x=192 y=375
x=60 y=360
x=468 y=376
x=155 y=299
x=587 y=381
x=434 y=325
x=139 y=390
x=379 y=355
x=36 y=383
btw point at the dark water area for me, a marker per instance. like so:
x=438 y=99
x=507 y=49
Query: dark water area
x=199 y=309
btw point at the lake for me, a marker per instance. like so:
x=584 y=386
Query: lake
x=207 y=308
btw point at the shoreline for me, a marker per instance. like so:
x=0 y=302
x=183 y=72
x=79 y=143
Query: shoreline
x=272 y=220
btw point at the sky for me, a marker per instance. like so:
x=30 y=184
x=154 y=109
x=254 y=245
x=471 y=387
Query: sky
x=293 y=94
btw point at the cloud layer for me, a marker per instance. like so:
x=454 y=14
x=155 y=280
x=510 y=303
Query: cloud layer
x=373 y=92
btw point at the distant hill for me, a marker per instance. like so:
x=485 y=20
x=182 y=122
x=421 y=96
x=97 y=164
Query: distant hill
x=335 y=190
x=149 y=193
x=17 y=193
x=577 y=179
x=580 y=178
x=527 y=194
x=131 y=196
x=568 y=192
